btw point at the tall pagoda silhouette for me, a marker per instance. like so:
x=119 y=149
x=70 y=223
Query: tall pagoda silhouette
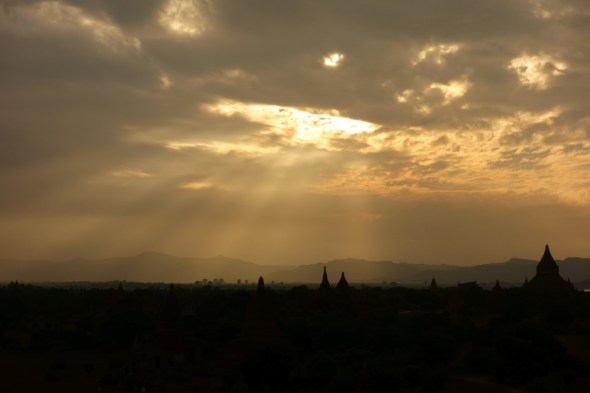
x=324 y=295
x=325 y=284
x=547 y=278
x=342 y=284
x=433 y=285
x=343 y=299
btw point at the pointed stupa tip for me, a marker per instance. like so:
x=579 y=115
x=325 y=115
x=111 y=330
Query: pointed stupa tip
x=260 y=286
x=325 y=284
x=342 y=284
x=120 y=287
x=547 y=265
x=497 y=287
x=433 y=284
x=547 y=254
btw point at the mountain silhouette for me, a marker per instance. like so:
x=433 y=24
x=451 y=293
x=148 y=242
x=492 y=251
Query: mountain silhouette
x=146 y=267
x=357 y=271
x=152 y=266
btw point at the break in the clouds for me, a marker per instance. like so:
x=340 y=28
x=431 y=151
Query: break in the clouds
x=295 y=131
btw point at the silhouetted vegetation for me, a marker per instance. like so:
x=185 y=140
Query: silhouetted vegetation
x=297 y=340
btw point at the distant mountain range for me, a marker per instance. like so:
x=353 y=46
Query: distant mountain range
x=514 y=271
x=157 y=267
x=145 y=267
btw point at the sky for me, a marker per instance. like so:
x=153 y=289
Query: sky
x=291 y=132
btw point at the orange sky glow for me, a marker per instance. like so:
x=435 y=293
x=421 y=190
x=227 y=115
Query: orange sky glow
x=295 y=132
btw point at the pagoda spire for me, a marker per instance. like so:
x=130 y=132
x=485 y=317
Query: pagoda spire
x=325 y=285
x=497 y=287
x=342 y=284
x=547 y=278
x=260 y=286
x=433 y=285
x=547 y=264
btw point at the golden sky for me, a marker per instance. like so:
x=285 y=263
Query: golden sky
x=295 y=131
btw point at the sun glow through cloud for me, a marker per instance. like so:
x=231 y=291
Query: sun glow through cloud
x=131 y=173
x=436 y=53
x=537 y=71
x=222 y=148
x=452 y=90
x=184 y=17
x=495 y=159
x=404 y=96
x=333 y=60
x=302 y=125
x=199 y=185
x=258 y=125
x=165 y=82
x=490 y=158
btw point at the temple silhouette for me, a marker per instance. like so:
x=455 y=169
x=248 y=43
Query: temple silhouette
x=433 y=285
x=547 y=279
x=322 y=338
x=342 y=284
x=325 y=284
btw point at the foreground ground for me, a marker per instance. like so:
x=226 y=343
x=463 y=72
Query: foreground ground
x=203 y=338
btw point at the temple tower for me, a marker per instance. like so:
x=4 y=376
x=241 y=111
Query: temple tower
x=497 y=287
x=547 y=265
x=342 y=284
x=325 y=285
x=547 y=278
x=433 y=285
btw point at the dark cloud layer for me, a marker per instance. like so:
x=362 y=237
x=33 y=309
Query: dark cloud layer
x=205 y=127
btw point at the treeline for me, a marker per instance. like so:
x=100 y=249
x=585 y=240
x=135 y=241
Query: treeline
x=366 y=339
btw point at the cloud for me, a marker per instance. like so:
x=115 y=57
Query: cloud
x=436 y=53
x=131 y=173
x=300 y=125
x=66 y=19
x=576 y=148
x=527 y=158
x=551 y=9
x=165 y=81
x=333 y=60
x=185 y=17
x=452 y=90
x=294 y=119
x=536 y=71
x=198 y=185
